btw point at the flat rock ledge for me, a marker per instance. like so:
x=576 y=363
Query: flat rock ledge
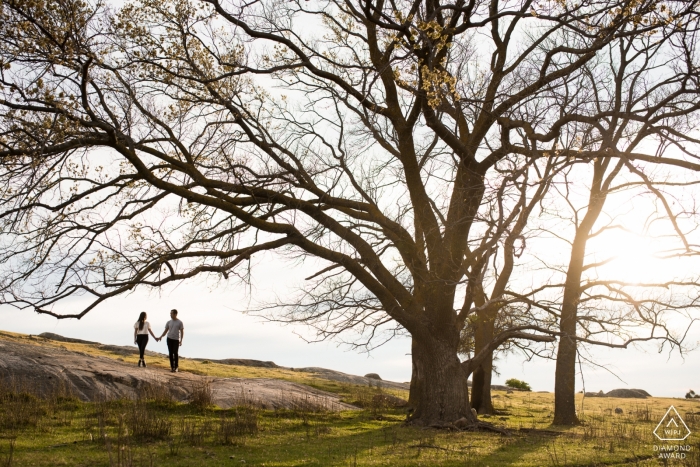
x=322 y=373
x=340 y=377
x=623 y=393
x=38 y=368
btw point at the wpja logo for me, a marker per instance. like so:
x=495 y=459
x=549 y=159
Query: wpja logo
x=672 y=428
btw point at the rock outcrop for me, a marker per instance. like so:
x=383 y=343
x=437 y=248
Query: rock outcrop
x=241 y=362
x=59 y=338
x=333 y=375
x=133 y=350
x=622 y=393
x=628 y=393
x=40 y=368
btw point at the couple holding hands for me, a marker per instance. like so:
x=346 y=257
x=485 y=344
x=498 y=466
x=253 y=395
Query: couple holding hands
x=173 y=328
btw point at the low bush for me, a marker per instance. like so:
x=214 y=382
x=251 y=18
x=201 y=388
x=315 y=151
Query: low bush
x=202 y=395
x=238 y=421
x=157 y=393
x=19 y=407
x=195 y=433
x=146 y=423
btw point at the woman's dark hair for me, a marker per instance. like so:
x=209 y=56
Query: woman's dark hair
x=142 y=319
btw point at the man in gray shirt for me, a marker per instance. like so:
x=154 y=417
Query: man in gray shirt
x=176 y=332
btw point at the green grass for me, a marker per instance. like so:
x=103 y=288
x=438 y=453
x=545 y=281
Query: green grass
x=57 y=430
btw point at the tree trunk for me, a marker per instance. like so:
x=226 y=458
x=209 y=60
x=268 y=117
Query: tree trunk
x=565 y=378
x=414 y=389
x=481 y=380
x=481 y=387
x=439 y=393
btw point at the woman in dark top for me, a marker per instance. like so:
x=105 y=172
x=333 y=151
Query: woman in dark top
x=141 y=330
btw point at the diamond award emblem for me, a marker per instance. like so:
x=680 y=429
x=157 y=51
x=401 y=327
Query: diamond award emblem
x=672 y=427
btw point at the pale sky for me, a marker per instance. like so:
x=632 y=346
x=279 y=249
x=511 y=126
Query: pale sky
x=216 y=328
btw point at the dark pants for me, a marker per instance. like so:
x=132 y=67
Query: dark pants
x=141 y=341
x=173 y=347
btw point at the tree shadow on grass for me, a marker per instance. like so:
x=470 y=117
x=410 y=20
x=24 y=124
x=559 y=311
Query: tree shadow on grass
x=522 y=444
x=397 y=444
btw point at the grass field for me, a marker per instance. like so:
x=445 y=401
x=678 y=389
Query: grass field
x=58 y=430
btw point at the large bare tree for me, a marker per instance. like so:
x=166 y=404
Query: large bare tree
x=168 y=139
x=642 y=107
x=627 y=112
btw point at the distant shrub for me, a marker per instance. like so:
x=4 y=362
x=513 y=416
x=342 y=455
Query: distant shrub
x=517 y=384
x=691 y=395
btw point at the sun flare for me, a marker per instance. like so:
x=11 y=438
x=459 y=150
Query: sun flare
x=635 y=258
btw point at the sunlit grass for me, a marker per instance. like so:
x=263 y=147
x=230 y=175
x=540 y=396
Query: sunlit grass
x=59 y=430
x=72 y=433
